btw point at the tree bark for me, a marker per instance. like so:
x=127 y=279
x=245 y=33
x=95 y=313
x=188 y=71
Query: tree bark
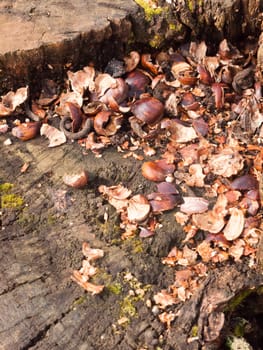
x=212 y=20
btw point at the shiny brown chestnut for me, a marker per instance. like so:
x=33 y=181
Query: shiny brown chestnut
x=157 y=170
x=26 y=131
x=148 y=109
x=137 y=82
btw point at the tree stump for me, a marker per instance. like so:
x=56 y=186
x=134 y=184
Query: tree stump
x=45 y=224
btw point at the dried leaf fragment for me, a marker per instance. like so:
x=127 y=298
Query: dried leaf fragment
x=89 y=287
x=164 y=299
x=91 y=253
x=227 y=163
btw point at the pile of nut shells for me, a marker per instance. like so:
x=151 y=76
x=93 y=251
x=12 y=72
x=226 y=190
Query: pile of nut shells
x=201 y=110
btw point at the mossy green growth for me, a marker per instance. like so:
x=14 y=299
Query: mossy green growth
x=109 y=229
x=11 y=200
x=6 y=187
x=115 y=288
x=149 y=10
x=137 y=246
x=240 y=327
x=194 y=331
x=127 y=307
x=80 y=300
x=156 y=41
x=191 y=5
x=237 y=300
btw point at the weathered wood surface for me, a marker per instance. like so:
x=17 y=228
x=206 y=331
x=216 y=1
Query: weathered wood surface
x=38 y=38
x=40 y=307
x=42 y=39
x=210 y=19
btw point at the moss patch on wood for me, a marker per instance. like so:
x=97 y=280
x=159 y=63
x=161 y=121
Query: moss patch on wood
x=9 y=200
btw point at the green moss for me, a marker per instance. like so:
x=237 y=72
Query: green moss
x=156 y=41
x=51 y=219
x=6 y=187
x=240 y=327
x=11 y=200
x=172 y=26
x=127 y=307
x=80 y=300
x=149 y=10
x=115 y=288
x=194 y=331
x=237 y=300
x=137 y=246
x=102 y=277
x=191 y=5
x=109 y=229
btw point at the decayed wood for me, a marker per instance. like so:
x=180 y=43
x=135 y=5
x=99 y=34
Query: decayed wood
x=206 y=309
x=214 y=20
x=45 y=39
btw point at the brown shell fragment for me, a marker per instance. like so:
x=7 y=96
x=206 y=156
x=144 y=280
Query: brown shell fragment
x=245 y=182
x=212 y=220
x=235 y=225
x=117 y=91
x=180 y=132
x=138 y=208
x=78 y=180
x=11 y=100
x=131 y=60
x=82 y=79
x=163 y=201
x=107 y=123
x=227 y=163
x=157 y=170
x=26 y=131
x=194 y=205
x=55 y=136
x=117 y=192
